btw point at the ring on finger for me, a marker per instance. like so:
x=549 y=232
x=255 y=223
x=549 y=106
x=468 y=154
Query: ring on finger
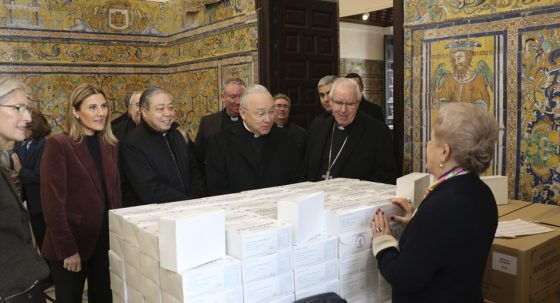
x=378 y=229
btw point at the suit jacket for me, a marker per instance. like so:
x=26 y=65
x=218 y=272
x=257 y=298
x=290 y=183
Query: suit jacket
x=371 y=109
x=72 y=196
x=444 y=248
x=157 y=170
x=298 y=133
x=232 y=161
x=20 y=265
x=367 y=155
x=210 y=125
x=29 y=176
x=120 y=130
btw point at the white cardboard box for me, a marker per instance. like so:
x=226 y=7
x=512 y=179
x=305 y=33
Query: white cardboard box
x=268 y=289
x=413 y=186
x=116 y=265
x=131 y=254
x=229 y=296
x=357 y=263
x=358 y=283
x=310 y=276
x=256 y=237
x=134 y=295
x=191 y=238
x=304 y=212
x=286 y=299
x=117 y=298
x=150 y=290
x=353 y=242
x=133 y=276
x=116 y=244
x=118 y=286
x=148 y=238
x=220 y=275
x=319 y=249
x=499 y=187
x=330 y=286
x=348 y=217
x=266 y=266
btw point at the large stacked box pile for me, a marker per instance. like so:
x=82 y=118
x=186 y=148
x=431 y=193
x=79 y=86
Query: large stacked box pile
x=282 y=244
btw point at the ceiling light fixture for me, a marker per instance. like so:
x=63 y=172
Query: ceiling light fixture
x=365 y=16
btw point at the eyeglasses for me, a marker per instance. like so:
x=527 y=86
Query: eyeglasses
x=20 y=108
x=281 y=106
x=340 y=104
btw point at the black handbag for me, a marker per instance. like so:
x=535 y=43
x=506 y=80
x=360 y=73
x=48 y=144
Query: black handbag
x=329 y=297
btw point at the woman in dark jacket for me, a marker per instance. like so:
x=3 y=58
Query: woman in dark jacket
x=79 y=184
x=26 y=159
x=442 y=253
x=21 y=268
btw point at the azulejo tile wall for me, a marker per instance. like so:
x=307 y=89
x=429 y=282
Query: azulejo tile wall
x=191 y=61
x=373 y=76
x=514 y=65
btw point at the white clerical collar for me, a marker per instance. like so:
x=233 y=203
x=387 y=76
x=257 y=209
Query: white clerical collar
x=340 y=127
x=247 y=128
x=280 y=125
x=234 y=119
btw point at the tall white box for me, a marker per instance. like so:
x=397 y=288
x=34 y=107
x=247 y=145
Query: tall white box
x=499 y=187
x=413 y=186
x=266 y=266
x=191 y=238
x=313 y=275
x=258 y=236
x=319 y=249
x=330 y=286
x=266 y=290
x=353 y=242
x=220 y=275
x=304 y=212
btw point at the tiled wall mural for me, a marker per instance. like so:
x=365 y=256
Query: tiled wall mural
x=191 y=60
x=373 y=75
x=508 y=64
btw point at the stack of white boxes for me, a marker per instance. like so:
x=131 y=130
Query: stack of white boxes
x=264 y=247
x=282 y=244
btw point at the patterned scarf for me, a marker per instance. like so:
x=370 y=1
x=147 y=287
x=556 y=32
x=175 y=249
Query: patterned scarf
x=457 y=171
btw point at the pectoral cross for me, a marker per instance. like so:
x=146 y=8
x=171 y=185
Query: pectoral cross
x=327 y=176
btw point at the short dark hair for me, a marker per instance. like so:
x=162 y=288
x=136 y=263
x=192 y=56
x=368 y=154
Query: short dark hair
x=353 y=75
x=282 y=96
x=39 y=126
x=148 y=93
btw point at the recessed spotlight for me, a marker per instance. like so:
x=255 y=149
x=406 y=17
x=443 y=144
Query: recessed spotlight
x=365 y=16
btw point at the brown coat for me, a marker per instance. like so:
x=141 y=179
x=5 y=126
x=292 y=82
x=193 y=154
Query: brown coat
x=72 y=198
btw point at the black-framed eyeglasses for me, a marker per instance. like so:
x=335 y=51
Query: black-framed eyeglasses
x=20 y=108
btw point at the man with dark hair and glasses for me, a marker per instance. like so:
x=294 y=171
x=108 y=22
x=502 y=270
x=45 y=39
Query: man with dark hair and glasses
x=254 y=154
x=367 y=107
x=349 y=144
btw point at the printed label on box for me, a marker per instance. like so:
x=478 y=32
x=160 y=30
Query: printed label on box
x=504 y=263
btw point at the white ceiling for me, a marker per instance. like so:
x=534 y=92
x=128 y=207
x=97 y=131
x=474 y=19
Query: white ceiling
x=353 y=7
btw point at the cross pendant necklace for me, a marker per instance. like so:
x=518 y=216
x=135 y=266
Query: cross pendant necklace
x=327 y=175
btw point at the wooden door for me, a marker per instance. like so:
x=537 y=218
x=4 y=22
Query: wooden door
x=298 y=44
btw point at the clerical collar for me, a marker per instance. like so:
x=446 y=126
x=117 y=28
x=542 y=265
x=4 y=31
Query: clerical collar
x=247 y=128
x=339 y=127
x=234 y=119
x=280 y=125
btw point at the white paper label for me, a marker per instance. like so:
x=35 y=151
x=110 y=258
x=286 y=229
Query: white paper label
x=504 y=263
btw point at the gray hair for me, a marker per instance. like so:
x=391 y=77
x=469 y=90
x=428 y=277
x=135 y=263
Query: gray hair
x=149 y=92
x=252 y=89
x=129 y=96
x=8 y=84
x=326 y=80
x=282 y=96
x=346 y=82
x=470 y=132
x=234 y=81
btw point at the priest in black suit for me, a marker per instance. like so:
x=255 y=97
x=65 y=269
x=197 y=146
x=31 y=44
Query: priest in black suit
x=349 y=144
x=214 y=123
x=367 y=107
x=282 y=104
x=254 y=154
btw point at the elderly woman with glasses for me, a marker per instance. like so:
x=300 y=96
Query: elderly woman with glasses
x=21 y=268
x=441 y=255
x=79 y=184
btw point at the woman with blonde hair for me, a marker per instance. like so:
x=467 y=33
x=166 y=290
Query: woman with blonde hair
x=442 y=253
x=21 y=268
x=79 y=184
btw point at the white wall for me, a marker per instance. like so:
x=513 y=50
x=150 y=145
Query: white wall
x=359 y=41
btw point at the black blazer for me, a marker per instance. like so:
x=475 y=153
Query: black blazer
x=210 y=125
x=152 y=173
x=371 y=109
x=231 y=164
x=29 y=175
x=444 y=248
x=367 y=155
x=20 y=265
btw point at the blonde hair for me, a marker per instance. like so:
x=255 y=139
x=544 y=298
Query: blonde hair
x=74 y=126
x=8 y=84
x=470 y=132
